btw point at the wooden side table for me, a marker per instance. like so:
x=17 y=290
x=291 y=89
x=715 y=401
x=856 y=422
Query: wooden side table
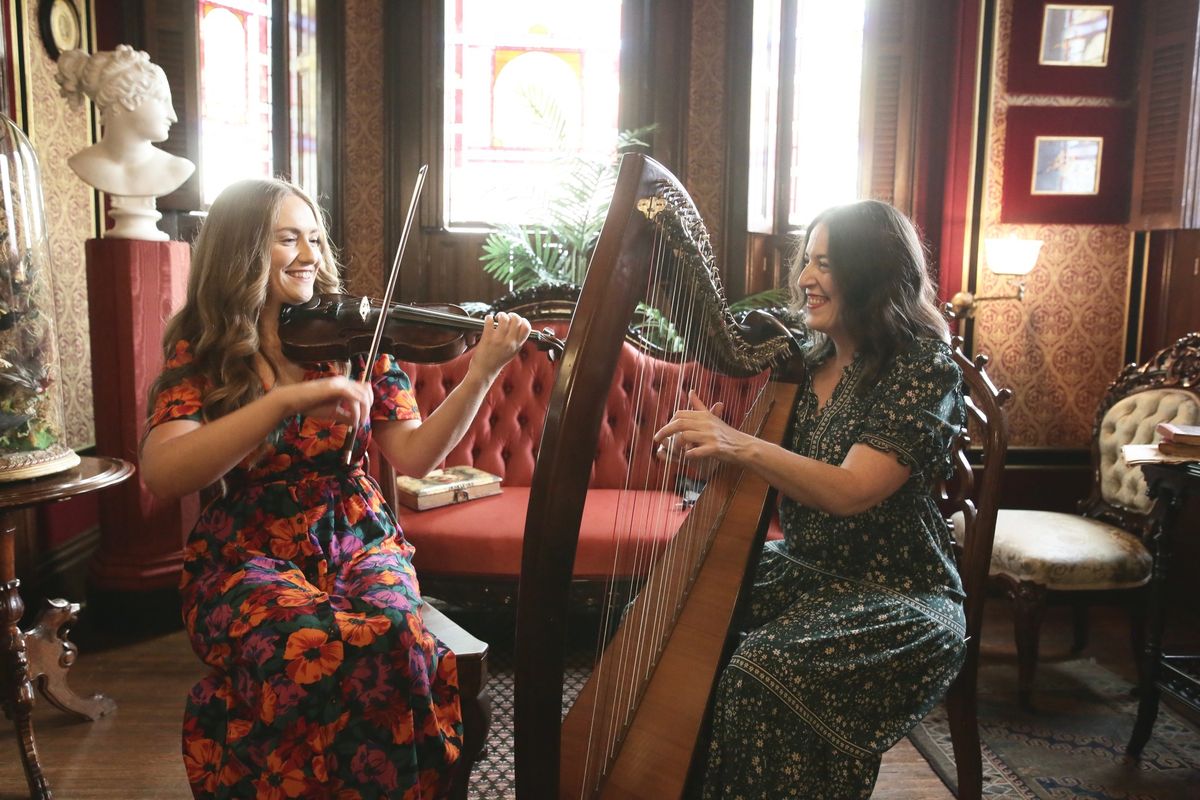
x=40 y=654
x=1176 y=674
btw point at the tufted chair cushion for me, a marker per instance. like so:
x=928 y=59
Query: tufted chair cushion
x=505 y=435
x=1131 y=420
x=484 y=537
x=1066 y=551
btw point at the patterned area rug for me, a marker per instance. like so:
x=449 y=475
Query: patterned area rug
x=1073 y=746
x=492 y=778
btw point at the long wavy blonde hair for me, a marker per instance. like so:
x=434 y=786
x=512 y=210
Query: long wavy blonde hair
x=227 y=289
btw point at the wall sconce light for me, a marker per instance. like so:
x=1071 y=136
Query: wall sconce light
x=1011 y=256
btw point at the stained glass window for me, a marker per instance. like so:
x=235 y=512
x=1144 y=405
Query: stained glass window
x=528 y=84
x=235 y=92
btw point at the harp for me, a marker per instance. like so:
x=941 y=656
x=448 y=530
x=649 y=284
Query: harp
x=632 y=729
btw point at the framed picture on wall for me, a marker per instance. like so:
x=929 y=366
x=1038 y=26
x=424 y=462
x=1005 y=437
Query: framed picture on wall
x=1075 y=36
x=1067 y=165
x=1072 y=48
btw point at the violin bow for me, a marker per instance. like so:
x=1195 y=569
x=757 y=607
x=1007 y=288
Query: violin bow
x=365 y=308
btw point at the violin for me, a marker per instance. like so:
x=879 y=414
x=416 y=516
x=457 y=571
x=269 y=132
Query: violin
x=337 y=327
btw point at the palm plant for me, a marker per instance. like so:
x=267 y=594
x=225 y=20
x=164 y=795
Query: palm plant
x=558 y=250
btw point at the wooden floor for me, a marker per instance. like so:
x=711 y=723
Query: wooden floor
x=134 y=753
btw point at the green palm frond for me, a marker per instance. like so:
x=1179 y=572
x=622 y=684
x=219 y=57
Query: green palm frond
x=771 y=298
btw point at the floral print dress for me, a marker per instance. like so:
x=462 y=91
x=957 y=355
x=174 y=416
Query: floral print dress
x=857 y=627
x=299 y=592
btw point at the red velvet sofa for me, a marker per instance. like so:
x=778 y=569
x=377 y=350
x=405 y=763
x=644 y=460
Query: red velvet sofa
x=470 y=553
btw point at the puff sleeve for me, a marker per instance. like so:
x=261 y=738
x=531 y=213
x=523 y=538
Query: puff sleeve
x=917 y=408
x=394 y=397
x=183 y=399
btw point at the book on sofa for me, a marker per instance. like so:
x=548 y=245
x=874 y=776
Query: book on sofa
x=443 y=487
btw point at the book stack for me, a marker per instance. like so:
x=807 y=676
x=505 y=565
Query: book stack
x=1179 y=440
x=445 y=486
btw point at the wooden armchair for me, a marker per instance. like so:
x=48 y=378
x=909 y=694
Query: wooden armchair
x=970 y=500
x=1098 y=551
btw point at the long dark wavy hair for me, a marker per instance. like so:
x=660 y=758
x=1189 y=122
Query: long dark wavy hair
x=888 y=299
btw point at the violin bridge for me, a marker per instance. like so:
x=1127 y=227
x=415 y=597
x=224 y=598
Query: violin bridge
x=364 y=308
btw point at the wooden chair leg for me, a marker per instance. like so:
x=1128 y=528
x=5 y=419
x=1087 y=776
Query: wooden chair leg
x=1137 y=630
x=962 y=711
x=1029 y=608
x=1079 y=626
x=471 y=656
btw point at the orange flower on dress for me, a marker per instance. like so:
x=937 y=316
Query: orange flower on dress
x=289 y=536
x=280 y=779
x=250 y=616
x=181 y=356
x=237 y=728
x=279 y=462
x=356 y=508
x=266 y=710
x=299 y=596
x=202 y=758
x=321 y=435
x=311 y=656
x=181 y=400
x=359 y=629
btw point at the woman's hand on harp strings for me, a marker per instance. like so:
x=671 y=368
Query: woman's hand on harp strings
x=502 y=336
x=698 y=432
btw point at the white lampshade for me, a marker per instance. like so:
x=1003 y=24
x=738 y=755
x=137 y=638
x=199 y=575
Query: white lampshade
x=1012 y=256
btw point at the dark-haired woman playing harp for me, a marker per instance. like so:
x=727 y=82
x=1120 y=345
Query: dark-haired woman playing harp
x=856 y=625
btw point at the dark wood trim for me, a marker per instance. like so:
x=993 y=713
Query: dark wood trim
x=331 y=114
x=281 y=119
x=655 y=59
x=1138 y=247
x=983 y=118
x=739 y=48
x=412 y=130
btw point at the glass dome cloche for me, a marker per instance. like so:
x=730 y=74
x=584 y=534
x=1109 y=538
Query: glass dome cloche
x=31 y=410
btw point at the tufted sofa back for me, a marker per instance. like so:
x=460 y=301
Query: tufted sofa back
x=1131 y=420
x=505 y=435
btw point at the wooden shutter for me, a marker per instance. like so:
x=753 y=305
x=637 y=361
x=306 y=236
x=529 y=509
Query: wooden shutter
x=888 y=116
x=172 y=40
x=1166 y=186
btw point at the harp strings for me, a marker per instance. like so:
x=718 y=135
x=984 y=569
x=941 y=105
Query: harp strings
x=648 y=510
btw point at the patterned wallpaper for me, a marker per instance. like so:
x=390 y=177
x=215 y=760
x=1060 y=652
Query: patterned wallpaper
x=58 y=131
x=362 y=251
x=705 y=148
x=1060 y=348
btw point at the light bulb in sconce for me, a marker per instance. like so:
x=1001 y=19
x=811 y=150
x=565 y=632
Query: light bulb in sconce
x=1009 y=256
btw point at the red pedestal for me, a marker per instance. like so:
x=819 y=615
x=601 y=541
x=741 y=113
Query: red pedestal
x=133 y=287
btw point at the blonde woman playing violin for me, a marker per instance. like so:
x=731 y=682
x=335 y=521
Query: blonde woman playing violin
x=298 y=589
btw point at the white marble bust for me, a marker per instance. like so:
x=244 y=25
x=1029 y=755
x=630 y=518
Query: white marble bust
x=134 y=101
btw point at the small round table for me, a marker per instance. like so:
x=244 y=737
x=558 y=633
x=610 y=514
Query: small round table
x=41 y=654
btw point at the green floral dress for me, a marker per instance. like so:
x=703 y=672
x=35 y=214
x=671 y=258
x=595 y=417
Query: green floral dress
x=299 y=592
x=857 y=626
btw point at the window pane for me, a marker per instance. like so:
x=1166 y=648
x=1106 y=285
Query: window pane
x=302 y=90
x=764 y=116
x=829 y=42
x=235 y=92
x=529 y=83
